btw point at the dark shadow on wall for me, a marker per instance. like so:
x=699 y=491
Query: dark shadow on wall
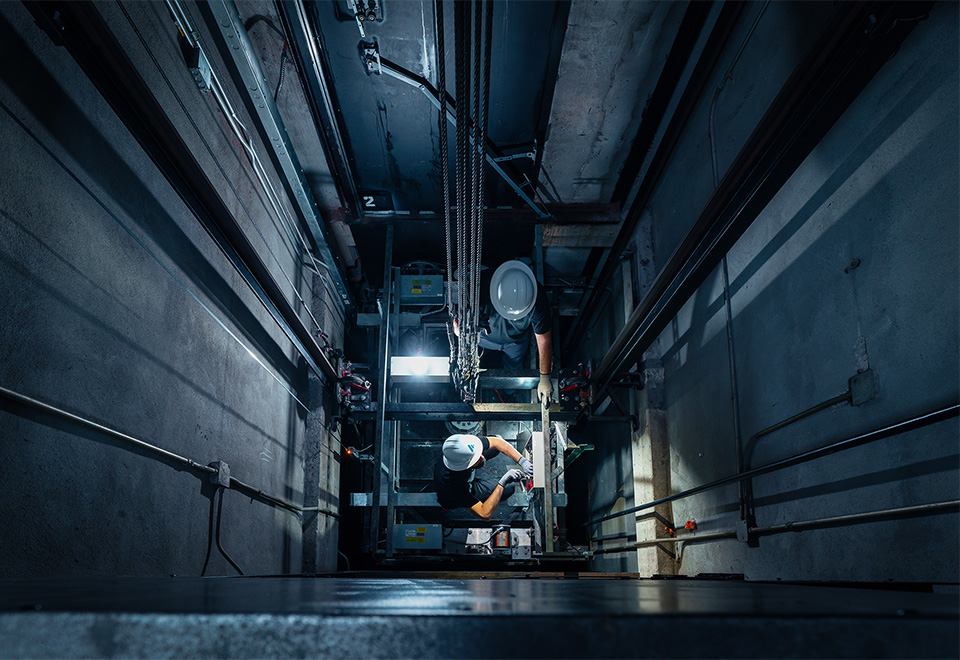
x=53 y=109
x=137 y=348
x=910 y=103
x=688 y=375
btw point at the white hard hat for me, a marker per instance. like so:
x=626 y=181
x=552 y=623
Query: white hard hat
x=513 y=290
x=460 y=451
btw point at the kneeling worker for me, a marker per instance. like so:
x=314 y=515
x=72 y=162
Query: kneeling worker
x=455 y=480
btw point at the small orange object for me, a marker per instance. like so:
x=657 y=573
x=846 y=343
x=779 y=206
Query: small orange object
x=690 y=524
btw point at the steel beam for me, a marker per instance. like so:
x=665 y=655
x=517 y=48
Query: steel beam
x=383 y=387
x=307 y=49
x=560 y=214
x=429 y=500
x=224 y=19
x=450 y=412
x=655 y=110
x=81 y=28
x=493 y=155
x=859 y=40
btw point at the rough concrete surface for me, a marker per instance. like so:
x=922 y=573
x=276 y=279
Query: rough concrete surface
x=93 y=320
x=853 y=265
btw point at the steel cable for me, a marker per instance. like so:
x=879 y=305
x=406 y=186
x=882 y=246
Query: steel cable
x=475 y=165
x=482 y=142
x=444 y=168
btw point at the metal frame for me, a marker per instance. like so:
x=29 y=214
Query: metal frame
x=493 y=155
x=455 y=412
x=237 y=50
x=81 y=28
x=307 y=48
x=383 y=388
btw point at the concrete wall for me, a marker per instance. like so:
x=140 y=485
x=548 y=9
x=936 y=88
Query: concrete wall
x=93 y=241
x=852 y=266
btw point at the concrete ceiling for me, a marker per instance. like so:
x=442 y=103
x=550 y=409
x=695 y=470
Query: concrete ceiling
x=569 y=82
x=613 y=53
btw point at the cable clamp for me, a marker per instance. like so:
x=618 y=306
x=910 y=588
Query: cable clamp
x=222 y=475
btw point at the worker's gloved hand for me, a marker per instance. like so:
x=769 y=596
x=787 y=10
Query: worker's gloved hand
x=545 y=389
x=526 y=466
x=511 y=476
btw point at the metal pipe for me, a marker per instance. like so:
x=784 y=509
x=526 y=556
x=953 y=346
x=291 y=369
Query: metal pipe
x=106 y=430
x=917 y=510
x=869 y=516
x=238 y=53
x=748 y=448
x=803 y=457
x=493 y=155
x=256 y=493
x=746 y=487
x=158 y=451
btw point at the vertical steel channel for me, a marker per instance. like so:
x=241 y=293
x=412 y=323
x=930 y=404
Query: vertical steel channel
x=383 y=377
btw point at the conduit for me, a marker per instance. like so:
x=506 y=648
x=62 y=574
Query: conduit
x=159 y=452
x=803 y=457
x=933 y=508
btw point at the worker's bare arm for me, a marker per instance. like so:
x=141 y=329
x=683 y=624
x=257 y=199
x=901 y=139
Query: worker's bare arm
x=504 y=448
x=545 y=351
x=484 y=510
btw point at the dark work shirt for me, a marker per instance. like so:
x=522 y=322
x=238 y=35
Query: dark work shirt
x=453 y=488
x=504 y=331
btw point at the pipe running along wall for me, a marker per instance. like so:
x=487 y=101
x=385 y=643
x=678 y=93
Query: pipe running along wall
x=911 y=424
x=207 y=471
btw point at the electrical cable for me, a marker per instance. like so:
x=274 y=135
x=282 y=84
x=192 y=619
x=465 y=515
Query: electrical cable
x=239 y=131
x=246 y=142
x=219 y=546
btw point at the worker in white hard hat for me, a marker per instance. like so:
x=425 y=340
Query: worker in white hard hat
x=455 y=475
x=518 y=303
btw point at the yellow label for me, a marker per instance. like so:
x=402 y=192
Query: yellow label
x=417 y=291
x=419 y=539
x=422 y=529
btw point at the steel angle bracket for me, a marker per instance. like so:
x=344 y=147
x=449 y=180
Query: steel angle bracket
x=494 y=157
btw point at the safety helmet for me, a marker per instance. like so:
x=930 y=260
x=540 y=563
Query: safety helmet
x=461 y=452
x=513 y=290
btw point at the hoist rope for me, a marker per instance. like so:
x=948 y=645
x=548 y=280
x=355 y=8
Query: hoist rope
x=444 y=153
x=470 y=178
x=482 y=141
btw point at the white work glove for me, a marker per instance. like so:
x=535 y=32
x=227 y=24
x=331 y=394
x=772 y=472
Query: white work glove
x=526 y=466
x=510 y=476
x=545 y=389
